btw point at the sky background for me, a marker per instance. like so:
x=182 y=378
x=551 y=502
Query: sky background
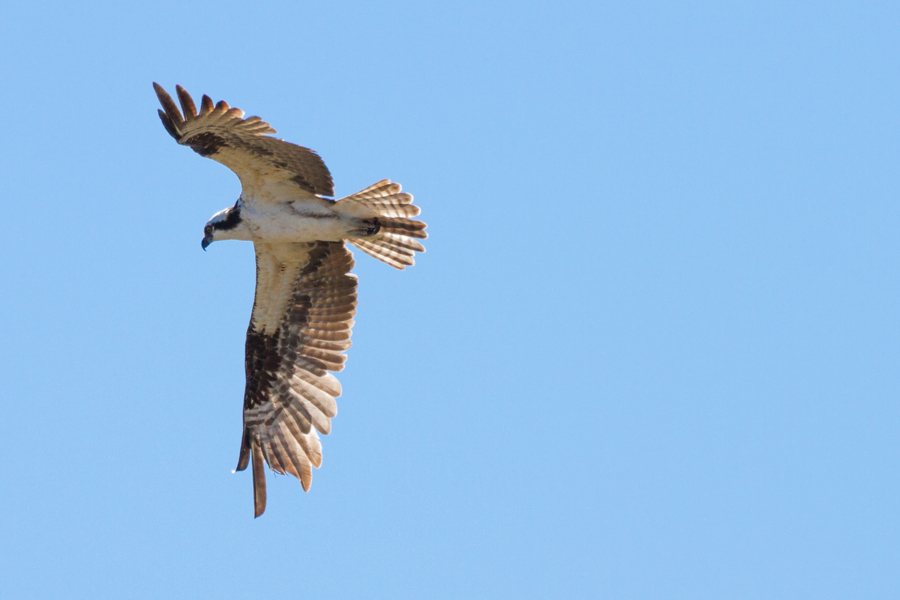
x=652 y=350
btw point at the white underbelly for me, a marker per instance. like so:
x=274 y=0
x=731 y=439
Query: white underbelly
x=299 y=221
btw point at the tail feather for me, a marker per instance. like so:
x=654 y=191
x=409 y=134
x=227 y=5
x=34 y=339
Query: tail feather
x=403 y=242
x=397 y=259
x=394 y=240
x=399 y=210
x=407 y=227
x=259 y=480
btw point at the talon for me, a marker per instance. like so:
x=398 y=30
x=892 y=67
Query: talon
x=366 y=228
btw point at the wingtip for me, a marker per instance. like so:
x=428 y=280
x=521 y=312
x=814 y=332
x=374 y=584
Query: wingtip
x=161 y=93
x=173 y=119
x=259 y=481
x=187 y=103
x=206 y=105
x=170 y=127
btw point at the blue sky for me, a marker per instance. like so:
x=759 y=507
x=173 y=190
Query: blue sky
x=651 y=352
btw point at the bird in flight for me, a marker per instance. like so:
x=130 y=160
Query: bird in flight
x=305 y=294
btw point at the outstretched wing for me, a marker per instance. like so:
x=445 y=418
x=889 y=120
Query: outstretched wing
x=302 y=316
x=224 y=135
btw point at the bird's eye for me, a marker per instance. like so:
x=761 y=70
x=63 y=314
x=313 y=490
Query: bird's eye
x=207 y=229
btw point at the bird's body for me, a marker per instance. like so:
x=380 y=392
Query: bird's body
x=305 y=220
x=305 y=297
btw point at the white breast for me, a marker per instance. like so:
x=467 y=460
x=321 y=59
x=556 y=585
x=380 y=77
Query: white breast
x=295 y=221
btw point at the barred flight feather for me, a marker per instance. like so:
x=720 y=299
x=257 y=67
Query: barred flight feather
x=402 y=241
x=394 y=242
x=305 y=302
x=406 y=227
x=290 y=393
x=384 y=253
x=221 y=133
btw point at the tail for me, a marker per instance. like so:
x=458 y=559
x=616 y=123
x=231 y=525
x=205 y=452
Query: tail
x=391 y=237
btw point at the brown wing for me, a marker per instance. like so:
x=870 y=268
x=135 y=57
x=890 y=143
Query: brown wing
x=301 y=324
x=224 y=135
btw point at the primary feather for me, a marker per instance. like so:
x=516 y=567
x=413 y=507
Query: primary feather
x=305 y=297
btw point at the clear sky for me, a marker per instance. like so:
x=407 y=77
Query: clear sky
x=653 y=350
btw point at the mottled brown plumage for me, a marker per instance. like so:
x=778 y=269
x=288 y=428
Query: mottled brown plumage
x=290 y=393
x=305 y=297
x=222 y=134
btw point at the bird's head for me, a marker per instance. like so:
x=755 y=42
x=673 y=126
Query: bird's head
x=225 y=225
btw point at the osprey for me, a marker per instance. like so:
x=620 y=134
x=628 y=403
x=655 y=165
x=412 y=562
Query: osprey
x=305 y=294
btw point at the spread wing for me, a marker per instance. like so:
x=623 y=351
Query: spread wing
x=302 y=316
x=224 y=135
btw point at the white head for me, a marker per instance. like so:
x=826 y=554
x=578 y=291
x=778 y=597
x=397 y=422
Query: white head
x=225 y=225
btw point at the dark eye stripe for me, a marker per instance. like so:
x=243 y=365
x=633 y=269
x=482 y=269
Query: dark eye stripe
x=230 y=222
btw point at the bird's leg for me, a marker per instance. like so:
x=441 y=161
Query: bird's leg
x=366 y=227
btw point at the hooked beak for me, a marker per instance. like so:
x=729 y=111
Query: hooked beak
x=207 y=240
